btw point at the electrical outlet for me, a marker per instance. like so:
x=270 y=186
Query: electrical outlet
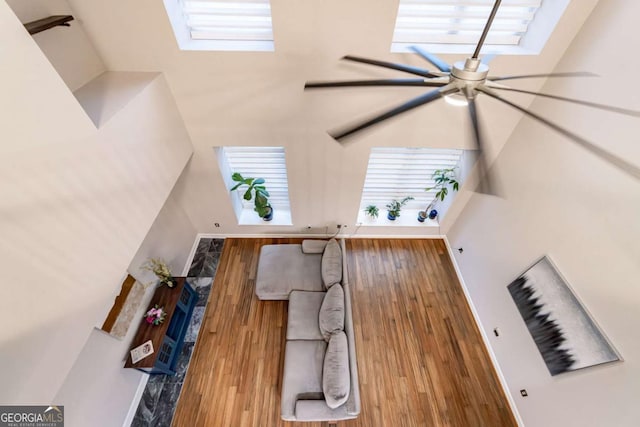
x=339 y=226
x=217 y=225
x=524 y=393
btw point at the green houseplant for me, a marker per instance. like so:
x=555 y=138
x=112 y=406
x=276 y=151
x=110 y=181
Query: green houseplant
x=372 y=211
x=395 y=206
x=257 y=191
x=443 y=179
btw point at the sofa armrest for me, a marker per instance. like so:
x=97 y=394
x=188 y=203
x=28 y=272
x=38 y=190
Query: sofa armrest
x=313 y=246
x=317 y=410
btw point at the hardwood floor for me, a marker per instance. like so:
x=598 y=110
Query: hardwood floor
x=421 y=359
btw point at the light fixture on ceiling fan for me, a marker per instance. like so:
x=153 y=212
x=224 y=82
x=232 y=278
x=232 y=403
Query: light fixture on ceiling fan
x=465 y=80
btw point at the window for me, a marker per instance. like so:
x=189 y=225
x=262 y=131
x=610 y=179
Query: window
x=237 y=25
x=394 y=173
x=257 y=162
x=454 y=26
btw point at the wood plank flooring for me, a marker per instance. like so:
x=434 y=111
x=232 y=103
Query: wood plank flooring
x=421 y=359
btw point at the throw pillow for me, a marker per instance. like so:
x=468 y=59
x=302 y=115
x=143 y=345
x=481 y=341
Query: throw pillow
x=336 y=381
x=331 y=264
x=331 y=317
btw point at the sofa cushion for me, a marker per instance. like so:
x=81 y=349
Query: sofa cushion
x=331 y=316
x=336 y=380
x=302 y=318
x=284 y=268
x=302 y=375
x=314 y=246
x=331 y=264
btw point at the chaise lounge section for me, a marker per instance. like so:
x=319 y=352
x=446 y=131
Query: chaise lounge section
x=320 y=378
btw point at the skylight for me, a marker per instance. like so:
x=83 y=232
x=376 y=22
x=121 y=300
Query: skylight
x=243 y=25
x=454 y=26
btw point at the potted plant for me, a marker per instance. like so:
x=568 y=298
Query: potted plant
x=394 y=207
x=156 y=315
x=161 y=270
x=372 y=211
x=258 y=192
x=443 y=179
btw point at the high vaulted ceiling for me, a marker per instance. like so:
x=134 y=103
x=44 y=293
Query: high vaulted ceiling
x=248 y=89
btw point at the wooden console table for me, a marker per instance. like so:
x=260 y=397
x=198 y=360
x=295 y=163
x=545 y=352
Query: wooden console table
x=168 y=337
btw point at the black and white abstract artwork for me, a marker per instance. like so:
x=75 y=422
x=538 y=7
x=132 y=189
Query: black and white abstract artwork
x=566 y=336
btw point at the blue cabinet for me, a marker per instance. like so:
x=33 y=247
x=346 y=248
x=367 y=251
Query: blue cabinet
x=168 y=337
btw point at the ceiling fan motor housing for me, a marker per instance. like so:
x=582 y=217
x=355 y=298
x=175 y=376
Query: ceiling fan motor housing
x=469 y=73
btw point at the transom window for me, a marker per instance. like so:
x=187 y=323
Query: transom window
x=454 y=26
x=240 y=25
x=257 y=162
x=395 y=173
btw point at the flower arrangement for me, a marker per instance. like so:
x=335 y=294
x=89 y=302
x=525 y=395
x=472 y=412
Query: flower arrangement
x=161 y=270
x=156 y=315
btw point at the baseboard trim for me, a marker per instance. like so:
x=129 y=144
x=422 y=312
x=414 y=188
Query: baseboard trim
x=313 y=236
x=192 y=253
x=485 y=338
x=136 y=401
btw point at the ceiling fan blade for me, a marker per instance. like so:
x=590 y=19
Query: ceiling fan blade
x=383 y=82
x=431 y=58
x=575 y=101
x=487 y=26
x=530 y=76
x=605 y=155
x=400 y=67
x=486 y=182
x=409 y=105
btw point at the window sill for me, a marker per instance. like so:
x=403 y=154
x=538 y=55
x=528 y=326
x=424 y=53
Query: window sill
x=250 y=217
x=408 y=218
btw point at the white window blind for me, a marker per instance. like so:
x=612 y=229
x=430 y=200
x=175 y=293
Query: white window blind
x=462 y=21
x=235 y=25
x=260 y=162
x=394 y=173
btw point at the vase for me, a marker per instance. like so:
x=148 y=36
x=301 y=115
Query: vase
x=169 y=281
x=422 y=215
x=433 y=214
x=391 y=217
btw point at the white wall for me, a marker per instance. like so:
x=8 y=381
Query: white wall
x=98 y=391
x=242 y=98
x=67 y=48
x=564 y=202
x=75 y=204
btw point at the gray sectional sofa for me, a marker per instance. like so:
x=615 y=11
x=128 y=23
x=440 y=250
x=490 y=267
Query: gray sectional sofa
x=320 y=378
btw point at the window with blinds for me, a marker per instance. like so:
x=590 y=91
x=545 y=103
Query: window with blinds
x=395 y=173
x=242 y=25
x=257 y=162
x=460 y=22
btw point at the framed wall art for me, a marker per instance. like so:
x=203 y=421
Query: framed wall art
x=566 y=336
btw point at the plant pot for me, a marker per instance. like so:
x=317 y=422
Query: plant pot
x=433 y=214
x=269 y=215
x=391 y=217
x=169 y=282
x=422 y=215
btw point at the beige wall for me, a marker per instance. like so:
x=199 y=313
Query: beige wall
x=76 y=203
x=67 y=48
x=112 y=389
x=564 y=202
x=240 y=98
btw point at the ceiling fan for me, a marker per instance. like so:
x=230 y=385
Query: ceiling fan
x=468 y=79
